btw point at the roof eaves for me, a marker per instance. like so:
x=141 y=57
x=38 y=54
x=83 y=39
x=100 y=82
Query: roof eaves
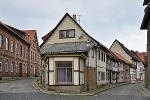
x=12 y=31
x=145 y=18
x=105 y=48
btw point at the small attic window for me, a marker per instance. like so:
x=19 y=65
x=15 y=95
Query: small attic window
x=67 y=34
x=24 y=37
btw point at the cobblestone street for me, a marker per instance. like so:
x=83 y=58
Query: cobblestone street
x=25 y=90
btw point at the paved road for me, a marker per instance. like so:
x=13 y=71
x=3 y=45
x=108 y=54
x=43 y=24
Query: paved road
x=126 y=92
x=24 y=90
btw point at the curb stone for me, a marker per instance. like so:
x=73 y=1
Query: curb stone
x=148 y=92
x=84 y=93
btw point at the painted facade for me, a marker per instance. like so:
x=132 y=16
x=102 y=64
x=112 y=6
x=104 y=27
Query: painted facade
x=128 y=55
x=15 y=52
x=67 y=63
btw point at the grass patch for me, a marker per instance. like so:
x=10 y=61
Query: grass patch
x=40 y=85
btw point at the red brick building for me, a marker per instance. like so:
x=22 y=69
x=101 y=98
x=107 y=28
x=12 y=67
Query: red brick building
x=15 y=52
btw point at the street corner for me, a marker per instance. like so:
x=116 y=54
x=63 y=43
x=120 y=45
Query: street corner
x=146 y=90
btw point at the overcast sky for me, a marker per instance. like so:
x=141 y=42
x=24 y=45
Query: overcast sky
x=104 y=20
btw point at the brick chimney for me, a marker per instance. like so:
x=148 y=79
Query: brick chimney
x=74 y=17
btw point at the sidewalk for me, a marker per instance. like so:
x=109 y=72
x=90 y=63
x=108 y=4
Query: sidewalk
x=88 y=93
x=16 y=78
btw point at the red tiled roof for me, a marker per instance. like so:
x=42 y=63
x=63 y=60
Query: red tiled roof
x=120 y=57
x=10 y=29
x=44 y=38
x=141 y=55
x=31 y=34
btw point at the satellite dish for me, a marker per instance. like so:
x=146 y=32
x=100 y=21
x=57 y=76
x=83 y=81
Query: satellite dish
x=79 y=35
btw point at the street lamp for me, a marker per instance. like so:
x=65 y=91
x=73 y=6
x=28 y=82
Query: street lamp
x=88 y=43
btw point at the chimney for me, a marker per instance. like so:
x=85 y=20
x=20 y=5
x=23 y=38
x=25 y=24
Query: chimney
x=74 y=17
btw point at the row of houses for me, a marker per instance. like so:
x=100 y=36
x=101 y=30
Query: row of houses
x=19 y=52
x=73 y=61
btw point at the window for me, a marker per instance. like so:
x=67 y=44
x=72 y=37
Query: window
x=101 y=76
x=71 y=33
x=16 y=48
x=103 y=56
x=17 y=67
x=31 y=55
x=27 y=53
x=92 y=53
x=20 y=50
x=1 y=41
x=63 y=34
x=26 y=68
x=6 y=65
x=7 y=43
x=1 y=60
x=23 y=68
x=99 y=55
x=12 y=46
x=67 y=34
x=24 y=52
x=64 y=72
x=12 y=66
x=34 y=69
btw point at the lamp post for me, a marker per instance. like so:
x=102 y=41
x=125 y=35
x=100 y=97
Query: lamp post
x=88 y=42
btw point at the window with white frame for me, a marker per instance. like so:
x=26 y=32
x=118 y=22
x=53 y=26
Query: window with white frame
x=7 y=43
x=16 y=67
x=16 y=48
x=101 y=76
x=92 y=53
x=64 y=72
x=1 y=40
x=6 y=65
x=12 y=66
x=12 y=46
x=1 y=60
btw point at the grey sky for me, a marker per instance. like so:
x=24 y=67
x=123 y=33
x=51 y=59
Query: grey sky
x=104 y=20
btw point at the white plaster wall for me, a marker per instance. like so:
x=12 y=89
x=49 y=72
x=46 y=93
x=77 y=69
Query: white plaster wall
x=51 y=78
x=117 y=48
x=46 y=74
x=138 y=69
x=76 y=74
x=51 y=63
x=102 y=70
x=63 y=58
x=100 y=62
x=76 y=78
x=76 y=63
x=51 y=74
x=81 y=69
x=81 y=65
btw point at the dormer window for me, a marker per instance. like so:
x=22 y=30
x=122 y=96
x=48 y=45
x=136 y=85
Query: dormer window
x=24 y=37
x=67 y=34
